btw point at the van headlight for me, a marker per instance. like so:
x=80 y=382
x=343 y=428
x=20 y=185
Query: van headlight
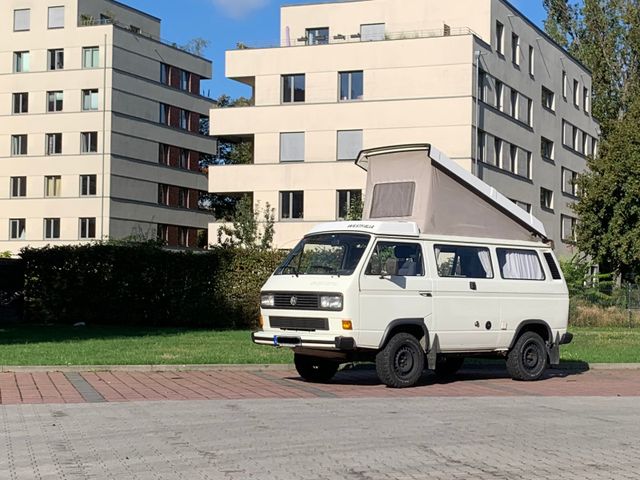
x=268 y=301
x=331 y=302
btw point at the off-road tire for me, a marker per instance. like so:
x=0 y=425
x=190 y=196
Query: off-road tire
x=447 y=366
x=528 y=359
x=315 y=369
x=401 y=362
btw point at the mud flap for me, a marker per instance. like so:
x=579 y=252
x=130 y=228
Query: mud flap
x=432 y=356
x=554 y=351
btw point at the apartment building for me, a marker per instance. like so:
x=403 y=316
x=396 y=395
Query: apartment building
x=473 y=77
x=100 y=127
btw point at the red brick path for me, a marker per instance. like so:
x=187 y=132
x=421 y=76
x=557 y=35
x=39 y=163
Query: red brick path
x=120 y=386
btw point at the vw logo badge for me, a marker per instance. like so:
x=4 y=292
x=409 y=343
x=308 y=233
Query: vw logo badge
x=293 y=301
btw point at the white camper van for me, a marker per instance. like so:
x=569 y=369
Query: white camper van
x=442 y=268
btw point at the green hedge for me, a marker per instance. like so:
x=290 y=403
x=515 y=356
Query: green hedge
x=145 y=285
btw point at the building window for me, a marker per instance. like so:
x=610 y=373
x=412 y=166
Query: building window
x=20 y=103
x=575 y=142
x=500 y=38
x=585 y=99
x=532 y=61
x=482 y=86
x=51 y=228
x=514 y=104
x=317 y=36
x=90 y=99
x=55 y=101
x=523 y=205
x=569 y=182
x=21 y=62
x=17 y=228
x=21 y=20
x=184 y=119
x=546 y=198
x=87 y=228
x=53 y=144
x=372 y=32
x=164 y=114
x=499 y=95
x=55 y=59
x=513 y=158
x=523 y=167
x=576 y=93
x=18 y=187
x=292 y=147
x=56 y=17
x=349 y=144
x=515 y=49
x=548 y=99
x=52 y=186
x=184 y=159
x=164 y=154
x=18 y=145
x=183 y=236
x=569 y=225
x=497 y=151
x=163 y=233
x=291 y=205
x=585 y=144
x=165 y=73
x=347 y=201
x=482 y=143
x=88 y=185
x=183 y=198
x=546 y=148
x=565 y=85
x=185 y=80
x=351 y=85
x=90 y=57
x=293 y=88
x=89 y=142
x=163 y=194
x=529 y=119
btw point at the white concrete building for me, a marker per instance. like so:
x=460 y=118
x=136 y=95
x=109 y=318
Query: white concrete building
x=473 y=77
x=99 y=134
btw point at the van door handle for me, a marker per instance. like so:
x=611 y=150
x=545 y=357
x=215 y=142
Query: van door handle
x=426 y=294
x=473 y=286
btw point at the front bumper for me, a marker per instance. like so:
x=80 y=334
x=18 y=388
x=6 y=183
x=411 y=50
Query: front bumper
x=344 y=344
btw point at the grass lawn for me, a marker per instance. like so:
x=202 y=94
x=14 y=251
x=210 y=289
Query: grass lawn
x=145 y=346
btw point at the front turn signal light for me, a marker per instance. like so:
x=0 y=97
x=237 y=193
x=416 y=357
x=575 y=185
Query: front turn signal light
x=347 y=325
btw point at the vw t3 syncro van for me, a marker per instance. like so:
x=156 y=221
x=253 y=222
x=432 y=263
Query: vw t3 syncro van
x=443 y=267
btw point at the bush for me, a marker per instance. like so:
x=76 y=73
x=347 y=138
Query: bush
x=144 y=285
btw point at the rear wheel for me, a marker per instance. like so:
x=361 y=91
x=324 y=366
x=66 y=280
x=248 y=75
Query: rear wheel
x=315 y=369
x=528 y=358
x=401 y=362
x=447 y=366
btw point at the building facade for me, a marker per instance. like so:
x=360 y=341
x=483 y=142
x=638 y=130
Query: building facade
x=100 y=135
x=475 y=78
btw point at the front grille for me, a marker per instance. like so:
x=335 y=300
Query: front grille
x=297 y=301
x=305 y=324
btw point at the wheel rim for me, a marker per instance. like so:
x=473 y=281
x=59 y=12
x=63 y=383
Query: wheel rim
x=404 y=361
x=531 y=356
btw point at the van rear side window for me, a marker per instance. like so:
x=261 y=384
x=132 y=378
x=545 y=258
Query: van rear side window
x=463 y=262
x=520 y=264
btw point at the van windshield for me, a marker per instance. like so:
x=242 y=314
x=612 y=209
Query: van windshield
x=325 y=254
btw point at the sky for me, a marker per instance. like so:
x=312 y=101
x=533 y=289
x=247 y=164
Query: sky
x=224 y=23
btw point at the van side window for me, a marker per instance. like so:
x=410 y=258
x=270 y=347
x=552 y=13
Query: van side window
x=519 y=264
x=388 y=257
x=463 y=262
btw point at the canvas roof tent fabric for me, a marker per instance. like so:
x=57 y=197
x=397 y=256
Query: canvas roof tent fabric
x=418 y=183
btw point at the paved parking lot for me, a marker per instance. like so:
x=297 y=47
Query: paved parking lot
x=122 y=386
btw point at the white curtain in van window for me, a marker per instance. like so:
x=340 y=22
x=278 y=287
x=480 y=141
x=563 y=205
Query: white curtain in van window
x=485 y=260
x=521 y=265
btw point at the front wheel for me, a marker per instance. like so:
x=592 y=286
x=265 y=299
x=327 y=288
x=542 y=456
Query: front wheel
x=401 y=362
x=315 y=369
x=528 y=358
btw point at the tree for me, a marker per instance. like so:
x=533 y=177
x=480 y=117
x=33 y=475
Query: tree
x=356 y=207
x=196 y=46
x=605 y=36
x=250 y=228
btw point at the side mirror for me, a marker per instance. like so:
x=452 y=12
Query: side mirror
x=391 y=267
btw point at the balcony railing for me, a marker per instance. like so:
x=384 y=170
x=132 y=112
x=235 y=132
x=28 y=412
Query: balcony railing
x=340 y=38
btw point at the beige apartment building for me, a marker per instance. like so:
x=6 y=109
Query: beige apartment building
x=475 y=78
x=99 y=127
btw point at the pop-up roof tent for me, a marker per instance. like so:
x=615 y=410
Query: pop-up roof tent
x=417 y=183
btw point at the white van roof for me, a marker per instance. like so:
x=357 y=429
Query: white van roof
x=418 y=183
